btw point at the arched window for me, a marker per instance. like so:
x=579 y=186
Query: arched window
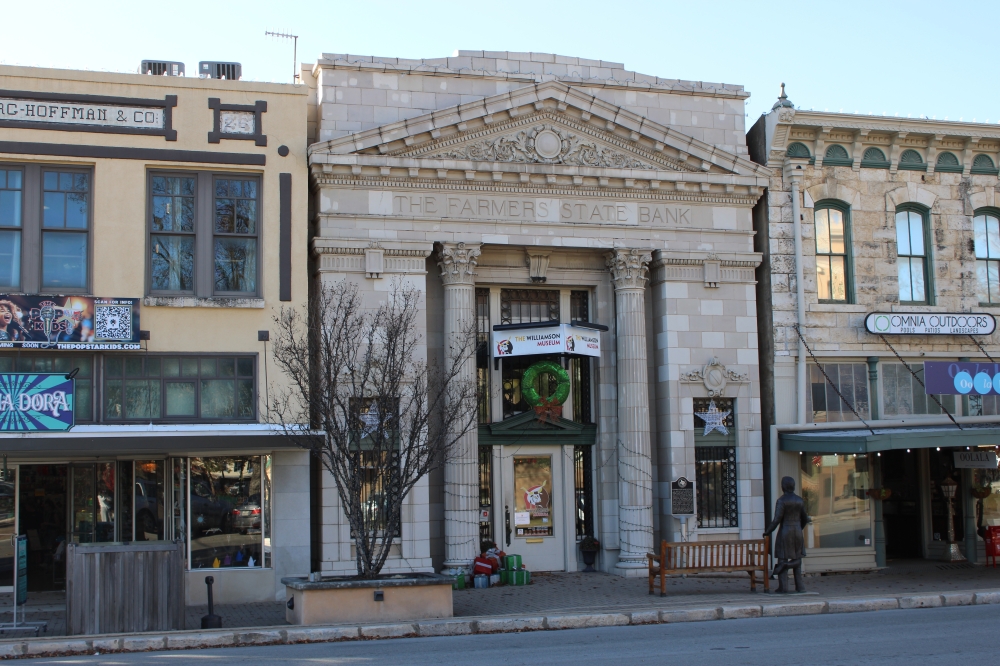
x=833 y=240
x=986 y=229
x=948 y=163
x=798 y=150
x=874 y=158
x=836 y=155
x=911 y=250
x=910 y=160
x=983 y=164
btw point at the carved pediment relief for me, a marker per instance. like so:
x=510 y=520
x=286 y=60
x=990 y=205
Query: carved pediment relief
x=715 y=377
x=544 y=138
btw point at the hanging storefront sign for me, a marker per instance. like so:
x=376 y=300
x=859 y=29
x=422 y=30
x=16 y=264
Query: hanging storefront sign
x=975 y=459
x=557 y=339
x=930 y=323
x=35 y=402
x=956 y=378
x=69 y=322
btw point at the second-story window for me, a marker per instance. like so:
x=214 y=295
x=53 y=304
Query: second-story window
x=203 y=234
x=912 y=256
x=986 y=228
x=832 y=241
x=10 y=229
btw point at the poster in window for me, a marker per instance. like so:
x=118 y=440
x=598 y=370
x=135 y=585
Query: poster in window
x=69 y=322
x=533 y=490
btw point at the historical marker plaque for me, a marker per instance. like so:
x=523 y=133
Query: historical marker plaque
x=681 y=497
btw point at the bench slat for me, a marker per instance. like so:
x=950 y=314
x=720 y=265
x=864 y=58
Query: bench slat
x=710 y=556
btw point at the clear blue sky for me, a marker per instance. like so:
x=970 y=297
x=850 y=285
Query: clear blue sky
x=920 y=58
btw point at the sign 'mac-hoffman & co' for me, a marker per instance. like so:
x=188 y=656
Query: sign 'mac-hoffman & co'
x=87 y=113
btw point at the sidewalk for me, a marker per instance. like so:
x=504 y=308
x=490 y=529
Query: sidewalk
x=552 y=601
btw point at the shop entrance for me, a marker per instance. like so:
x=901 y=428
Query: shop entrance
x=42 y=494
x=901 y=511
x=541 y=508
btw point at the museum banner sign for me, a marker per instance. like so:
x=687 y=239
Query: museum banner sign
x=69 y=322
x=930 y=323
x=555 y=339
x=36 y=402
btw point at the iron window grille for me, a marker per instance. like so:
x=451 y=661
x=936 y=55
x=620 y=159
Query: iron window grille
x=715 y=464
x=524 y=306
x=483 y=353
x=485 y=492
x=583 y=486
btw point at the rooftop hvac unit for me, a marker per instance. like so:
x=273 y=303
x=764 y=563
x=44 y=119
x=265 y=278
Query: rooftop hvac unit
x=162 y=68
x=209 y=69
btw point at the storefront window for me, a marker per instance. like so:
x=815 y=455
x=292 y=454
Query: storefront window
x=533 y=514
x=903 y=395
x=227 y=503
x=835 y=488
x=988 y=508
x=84 y=386
x=822 y=401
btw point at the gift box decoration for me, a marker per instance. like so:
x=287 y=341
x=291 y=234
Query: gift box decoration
x=481 y=581
x=459 y=582
x=512 y=562
x=520 y=577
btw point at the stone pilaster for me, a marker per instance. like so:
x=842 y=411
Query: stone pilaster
x=461 y=471
x=629 y=273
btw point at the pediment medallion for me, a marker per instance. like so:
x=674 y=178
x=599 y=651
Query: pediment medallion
x=544 y=138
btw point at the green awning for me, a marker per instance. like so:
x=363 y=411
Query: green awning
x=861 y=440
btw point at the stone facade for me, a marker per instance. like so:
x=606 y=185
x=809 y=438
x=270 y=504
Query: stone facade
x=498 y=171
x=870 y=168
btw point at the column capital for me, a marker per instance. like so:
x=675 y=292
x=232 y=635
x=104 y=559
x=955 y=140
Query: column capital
x=458 y=263
x=629 y=267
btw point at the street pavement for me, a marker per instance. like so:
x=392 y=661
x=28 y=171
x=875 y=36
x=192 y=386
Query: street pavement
x=904 y=637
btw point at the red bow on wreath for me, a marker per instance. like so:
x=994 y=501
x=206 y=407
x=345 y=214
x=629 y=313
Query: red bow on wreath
x=548 y=410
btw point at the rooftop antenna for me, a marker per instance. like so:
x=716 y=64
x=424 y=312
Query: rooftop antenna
x=295 y=50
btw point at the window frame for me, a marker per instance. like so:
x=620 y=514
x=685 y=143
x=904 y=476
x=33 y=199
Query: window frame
x=928 y=257
x=986 y=211
x=203 y=278
x=845 y=210
x=32 y=226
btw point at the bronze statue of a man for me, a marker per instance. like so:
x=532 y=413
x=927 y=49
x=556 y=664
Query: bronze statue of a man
x=789 y=547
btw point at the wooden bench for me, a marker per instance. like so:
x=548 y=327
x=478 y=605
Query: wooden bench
x=710 y=557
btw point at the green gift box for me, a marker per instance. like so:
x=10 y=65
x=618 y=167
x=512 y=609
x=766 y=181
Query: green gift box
x=511 y=562
x=505 y=577
x=459 y=582
x=520 y=577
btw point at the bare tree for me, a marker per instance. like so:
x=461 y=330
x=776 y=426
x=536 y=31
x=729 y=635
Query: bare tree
x=382 y=417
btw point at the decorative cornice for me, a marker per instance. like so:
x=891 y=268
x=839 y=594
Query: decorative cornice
x=879 y=124
x=458 y=263
x=629 y=268
x=318 y=250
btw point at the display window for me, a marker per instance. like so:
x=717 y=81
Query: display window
x=835 y=490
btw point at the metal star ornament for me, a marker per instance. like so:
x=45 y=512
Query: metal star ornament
x=714 y=419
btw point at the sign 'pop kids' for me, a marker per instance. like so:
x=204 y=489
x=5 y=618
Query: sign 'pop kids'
x=35 y=402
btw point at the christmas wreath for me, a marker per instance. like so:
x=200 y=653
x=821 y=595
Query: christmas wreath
x=550 y=407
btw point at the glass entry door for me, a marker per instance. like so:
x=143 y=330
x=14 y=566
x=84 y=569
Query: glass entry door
x=540 y=504
x=92 y=512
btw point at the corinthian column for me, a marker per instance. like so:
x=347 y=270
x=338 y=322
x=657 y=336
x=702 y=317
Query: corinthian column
x=629 y=273
x=461 y=470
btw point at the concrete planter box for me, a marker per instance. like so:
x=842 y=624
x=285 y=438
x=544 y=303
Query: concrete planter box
x=337 y=599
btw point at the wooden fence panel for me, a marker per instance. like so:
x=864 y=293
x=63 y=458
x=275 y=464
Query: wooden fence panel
x=124 y=588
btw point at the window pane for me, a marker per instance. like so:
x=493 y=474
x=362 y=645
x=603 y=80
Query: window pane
x=917 y=275
x=113 y=366
x=226 y=512
x=227 y=367
x=979 y=230
x=905 y=286
x=171 y=367
x=142 y=398
x=173 y=213
x=993 y=237
x=982 y=282
x=208 y=367
x=180 y=398
x=836 y=231
x=823 y=231
x=834 y=490
x=76 y=211
x=245 y=390
x=236 y=264
x=172 y=263
x=916 y=234
x=902 y=234
x=149 y=497
x=113 y=399
x=218 y=398
x=10 y=208
x=189 y=367
x=823 y=281
x=64 y=260
x=133 y=366
x=244 y=367
x=994 y=278
x=54 y=207
x=10 y=260
x=838 y=278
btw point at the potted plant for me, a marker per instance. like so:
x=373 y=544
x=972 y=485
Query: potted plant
x=589 y=547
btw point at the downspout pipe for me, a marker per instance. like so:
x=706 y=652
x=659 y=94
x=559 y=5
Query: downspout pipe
x=795 y=176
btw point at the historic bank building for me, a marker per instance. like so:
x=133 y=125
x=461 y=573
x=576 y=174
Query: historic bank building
x=596 y=224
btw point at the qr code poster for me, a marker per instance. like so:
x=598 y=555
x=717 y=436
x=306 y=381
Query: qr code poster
x=68 y=322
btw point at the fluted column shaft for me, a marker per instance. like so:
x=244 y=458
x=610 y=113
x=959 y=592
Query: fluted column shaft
x=629 y=271
x=461 y=470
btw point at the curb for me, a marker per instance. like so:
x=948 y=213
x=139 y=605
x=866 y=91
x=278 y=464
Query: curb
x=185 y=640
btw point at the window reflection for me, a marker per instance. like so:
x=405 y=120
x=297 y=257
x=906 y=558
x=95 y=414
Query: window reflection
x=835 y=488
x=227 y=526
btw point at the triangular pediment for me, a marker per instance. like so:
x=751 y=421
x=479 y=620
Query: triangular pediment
x=548 y=123
x=545 y=137
x=531 y=421
x=528 y=429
